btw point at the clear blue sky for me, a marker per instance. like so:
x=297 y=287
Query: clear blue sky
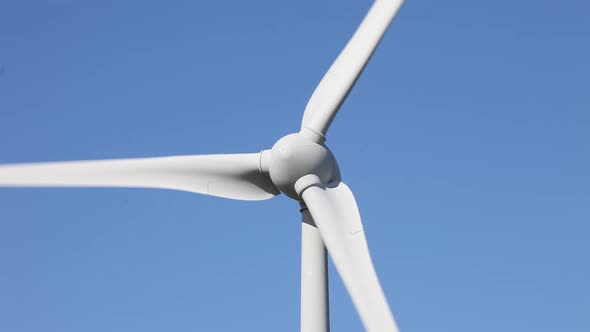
x=466 y=142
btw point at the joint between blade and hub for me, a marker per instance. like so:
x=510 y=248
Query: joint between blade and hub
x=307 y=181
x=312 y=134
x=264 y=162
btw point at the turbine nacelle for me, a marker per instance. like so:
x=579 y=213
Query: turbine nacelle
x=295 y=156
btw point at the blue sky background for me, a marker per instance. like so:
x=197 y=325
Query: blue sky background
x=466 y=142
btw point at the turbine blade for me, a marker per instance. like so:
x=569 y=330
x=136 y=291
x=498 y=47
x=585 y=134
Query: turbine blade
x=336 y=215
x=235 y=176
x=342 y=75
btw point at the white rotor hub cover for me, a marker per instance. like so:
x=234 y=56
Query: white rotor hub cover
x=295 y=156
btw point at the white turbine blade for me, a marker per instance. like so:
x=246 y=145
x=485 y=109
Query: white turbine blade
x=340 y=78
x=336 y=215
x=234 y=176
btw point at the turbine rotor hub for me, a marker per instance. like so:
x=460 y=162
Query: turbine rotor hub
x=296 y=155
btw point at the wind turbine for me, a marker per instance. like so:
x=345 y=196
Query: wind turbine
x=300 y=165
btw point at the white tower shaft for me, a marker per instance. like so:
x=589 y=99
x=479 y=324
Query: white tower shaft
x=315 y=315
